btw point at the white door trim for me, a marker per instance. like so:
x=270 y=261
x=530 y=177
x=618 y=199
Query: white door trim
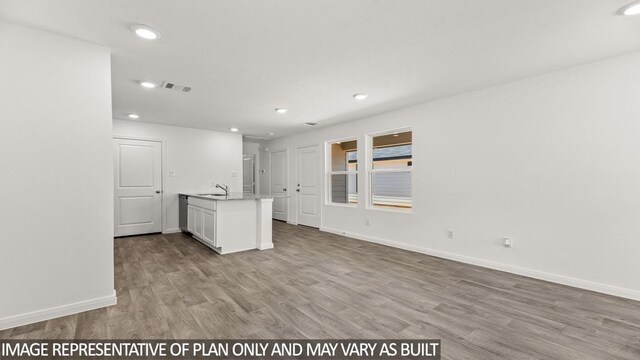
x=163 y=145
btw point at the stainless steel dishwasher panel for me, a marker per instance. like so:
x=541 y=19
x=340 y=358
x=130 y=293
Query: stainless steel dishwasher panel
x=182 y=213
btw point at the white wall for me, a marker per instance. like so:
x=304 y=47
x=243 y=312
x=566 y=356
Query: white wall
x=551 y=161
x=56 y=247
x=250 y=147
x=198 y=157
x=264 y=171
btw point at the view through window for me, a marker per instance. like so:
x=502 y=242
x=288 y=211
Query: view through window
x=343 y=174
x=390 y=170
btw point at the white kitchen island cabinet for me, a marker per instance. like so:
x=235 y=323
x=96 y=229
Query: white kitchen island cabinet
x=229 y=224
x=202 y=223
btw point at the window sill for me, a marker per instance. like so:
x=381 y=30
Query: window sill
x=353 y=206
x=400 y=211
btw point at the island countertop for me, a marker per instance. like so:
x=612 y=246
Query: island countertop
x=231 y=196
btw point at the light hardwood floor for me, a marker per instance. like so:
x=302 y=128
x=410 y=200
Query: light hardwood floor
x=318 y=285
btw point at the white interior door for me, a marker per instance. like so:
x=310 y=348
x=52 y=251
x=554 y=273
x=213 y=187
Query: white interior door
x=279 y=184
x=308 y=189
x=138 y=187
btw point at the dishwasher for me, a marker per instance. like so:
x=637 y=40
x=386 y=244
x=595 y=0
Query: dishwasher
x=182 y=213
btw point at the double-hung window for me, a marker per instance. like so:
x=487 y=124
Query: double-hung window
x=342 y=175
x=389 y=169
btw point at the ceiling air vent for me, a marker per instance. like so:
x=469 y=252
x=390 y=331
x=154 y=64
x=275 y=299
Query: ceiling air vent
x=254 y=137
x=311 y=124
x=173 y=86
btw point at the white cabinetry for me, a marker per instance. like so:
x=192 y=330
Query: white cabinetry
x=197 y=214
x=229 y=226
x=209 y=227
x=201 y=221
x=191 y=219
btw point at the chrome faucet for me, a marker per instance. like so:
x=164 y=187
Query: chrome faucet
x=224 y=188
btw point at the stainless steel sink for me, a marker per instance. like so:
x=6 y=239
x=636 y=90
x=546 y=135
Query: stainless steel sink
x=218 y=195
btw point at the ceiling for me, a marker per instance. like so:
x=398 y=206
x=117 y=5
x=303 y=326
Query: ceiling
x=243 y=58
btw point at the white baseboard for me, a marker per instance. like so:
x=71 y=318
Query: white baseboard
x=536 y=274
x=171 y=231
x=55 y=312
x=265 y=246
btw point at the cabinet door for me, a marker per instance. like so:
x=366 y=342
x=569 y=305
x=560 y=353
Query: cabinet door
x=198 y=221
x=190 y=219
x=209 y=226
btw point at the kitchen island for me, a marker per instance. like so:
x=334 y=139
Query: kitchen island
x=230 y=223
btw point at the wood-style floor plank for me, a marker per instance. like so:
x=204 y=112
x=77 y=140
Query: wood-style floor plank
x=320 y=285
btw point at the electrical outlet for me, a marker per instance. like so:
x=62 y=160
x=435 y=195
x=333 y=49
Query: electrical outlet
x=172 y=174
x=450 y=234
x=507 y=242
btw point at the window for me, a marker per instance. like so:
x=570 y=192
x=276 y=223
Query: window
x=343 y=172
x=390 y=168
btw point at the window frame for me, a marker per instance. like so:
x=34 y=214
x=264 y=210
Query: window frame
x=370 y=171
x=329 y=172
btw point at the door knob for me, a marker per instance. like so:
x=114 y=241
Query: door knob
x=285 y=189
x=298 y=190
x=157 y=191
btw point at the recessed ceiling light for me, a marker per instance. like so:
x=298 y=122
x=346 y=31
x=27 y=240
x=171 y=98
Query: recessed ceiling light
x=234 y=129
x=148 y=84
x=281 y=110
x=360 y=96
x=630 y=9
x=270 y=133
x=134 y=116
x=145 y=32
